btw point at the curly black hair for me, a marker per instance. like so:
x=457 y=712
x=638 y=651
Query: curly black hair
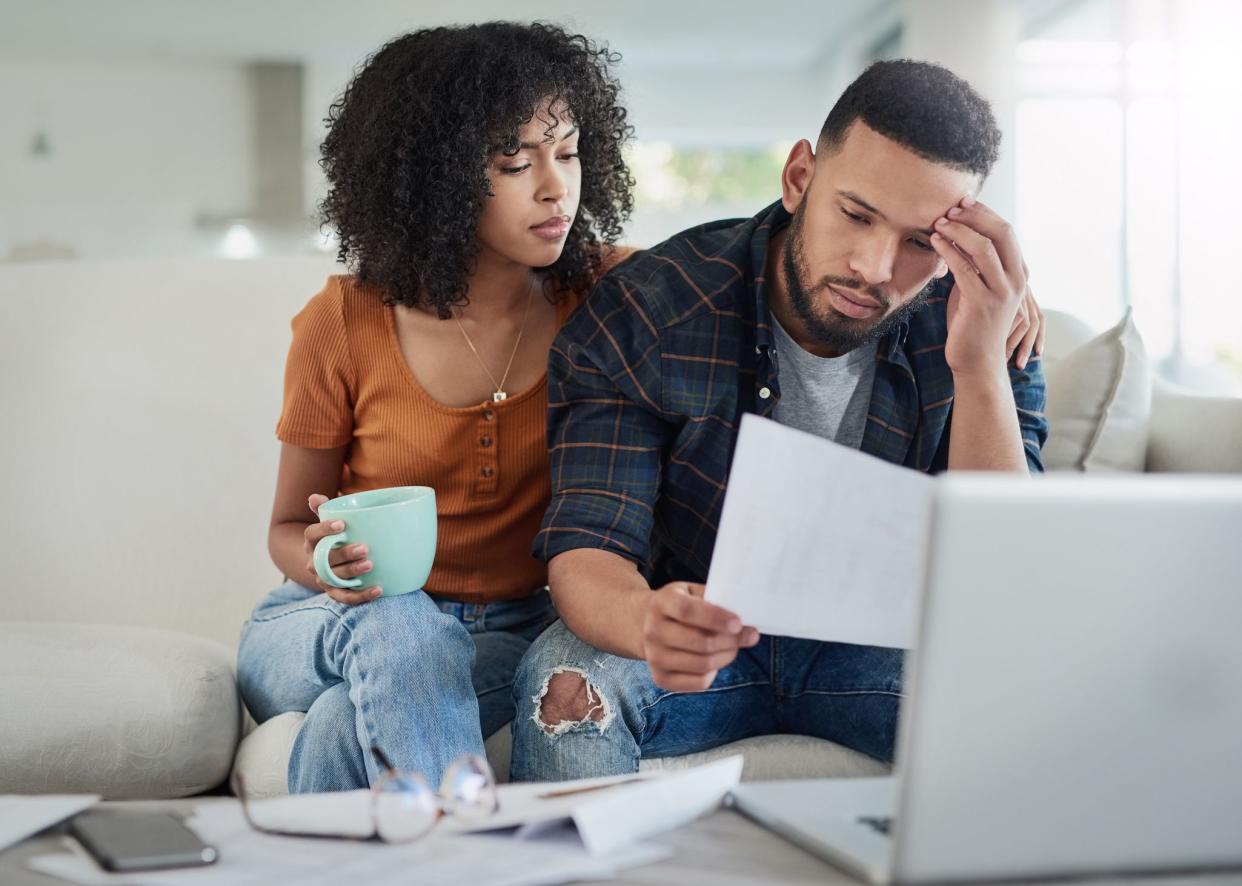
x=923 y=107
x=410 y=139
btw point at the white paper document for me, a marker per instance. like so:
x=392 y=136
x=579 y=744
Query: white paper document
x=611 y=813
x=541 y=833
x=251 y=858
x=820 y=541
x=22 y=816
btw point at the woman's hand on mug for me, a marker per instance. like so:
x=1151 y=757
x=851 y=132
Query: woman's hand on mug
x=349 y=561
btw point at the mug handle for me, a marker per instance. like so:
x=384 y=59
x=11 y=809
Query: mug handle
x=324 y=570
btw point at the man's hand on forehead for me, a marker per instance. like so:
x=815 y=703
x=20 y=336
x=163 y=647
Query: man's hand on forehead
x=981 y=249
x=971 y=216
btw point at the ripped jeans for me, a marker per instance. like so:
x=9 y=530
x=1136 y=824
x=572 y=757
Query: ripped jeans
x=426 y=679
x=844 y=693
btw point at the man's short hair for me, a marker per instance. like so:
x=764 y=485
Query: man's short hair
x=923 y=107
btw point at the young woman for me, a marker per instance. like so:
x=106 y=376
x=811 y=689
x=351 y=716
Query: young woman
x=476 y=182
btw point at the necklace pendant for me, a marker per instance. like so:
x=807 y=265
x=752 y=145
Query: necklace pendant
x=498 y=396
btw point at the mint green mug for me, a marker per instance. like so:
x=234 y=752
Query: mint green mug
x=398 y=526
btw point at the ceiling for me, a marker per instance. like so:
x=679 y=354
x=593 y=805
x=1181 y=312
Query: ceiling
x=650 y=33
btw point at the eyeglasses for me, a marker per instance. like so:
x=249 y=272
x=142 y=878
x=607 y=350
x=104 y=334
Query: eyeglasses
x=403 y=806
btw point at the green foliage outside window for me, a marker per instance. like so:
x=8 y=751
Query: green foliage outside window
x=671 y=177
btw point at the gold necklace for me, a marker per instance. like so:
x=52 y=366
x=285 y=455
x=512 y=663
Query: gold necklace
x=499 y=394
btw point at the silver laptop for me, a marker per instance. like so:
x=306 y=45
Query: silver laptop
x=1074 y=705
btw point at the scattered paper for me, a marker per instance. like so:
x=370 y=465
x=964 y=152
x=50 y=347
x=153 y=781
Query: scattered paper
x=251 y=858
x=629 y=814
x=541 y=833
x=607 y=813
x=610 y=814
x=524 y=806
x=820 y=541
x=349 y=813
x=22 y=816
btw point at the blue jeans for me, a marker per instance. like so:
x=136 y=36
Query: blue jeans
x=844 y=693
x=423 y=679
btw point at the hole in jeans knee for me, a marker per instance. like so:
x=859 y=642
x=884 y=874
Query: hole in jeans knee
x=568 y=700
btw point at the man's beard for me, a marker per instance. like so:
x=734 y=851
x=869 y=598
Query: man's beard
x=829 y=328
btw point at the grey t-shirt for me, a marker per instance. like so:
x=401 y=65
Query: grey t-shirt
x=825 y=396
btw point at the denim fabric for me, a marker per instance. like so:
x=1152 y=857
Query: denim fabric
x=844 y=693
x=424 y=679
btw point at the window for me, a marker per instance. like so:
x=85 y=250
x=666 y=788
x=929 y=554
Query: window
x=1129 y=191
x=677 y=187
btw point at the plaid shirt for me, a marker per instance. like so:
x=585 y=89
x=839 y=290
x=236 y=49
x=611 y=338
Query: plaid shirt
x=648 y=381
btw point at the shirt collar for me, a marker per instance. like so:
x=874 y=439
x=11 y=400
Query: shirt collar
x=770 y=221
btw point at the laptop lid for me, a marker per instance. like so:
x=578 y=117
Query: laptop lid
x=1075 y=701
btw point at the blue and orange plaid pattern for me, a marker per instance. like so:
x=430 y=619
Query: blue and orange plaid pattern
x=648 y=380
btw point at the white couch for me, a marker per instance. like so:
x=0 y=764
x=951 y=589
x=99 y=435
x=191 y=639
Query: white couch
x=139 y=402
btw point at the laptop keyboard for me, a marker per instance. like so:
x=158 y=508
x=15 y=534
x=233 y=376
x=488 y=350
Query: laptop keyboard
x=881 y=824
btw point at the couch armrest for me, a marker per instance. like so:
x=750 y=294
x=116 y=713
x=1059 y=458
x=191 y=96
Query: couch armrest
x=1192 y=433
x=126 y=712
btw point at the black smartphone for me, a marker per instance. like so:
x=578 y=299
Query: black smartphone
x=140 y=841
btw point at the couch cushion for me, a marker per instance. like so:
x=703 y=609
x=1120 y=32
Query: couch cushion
x=124 y=712
x=1192 y=433
x=263 y=757
x=1099 y=404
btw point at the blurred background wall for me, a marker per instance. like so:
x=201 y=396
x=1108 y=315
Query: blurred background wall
x=173 y=128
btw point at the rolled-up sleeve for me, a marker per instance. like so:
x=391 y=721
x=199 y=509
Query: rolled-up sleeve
x=1029 y=396
x=607 y=433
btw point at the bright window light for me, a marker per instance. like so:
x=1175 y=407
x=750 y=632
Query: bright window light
x=239 y=242
x=1127 y=176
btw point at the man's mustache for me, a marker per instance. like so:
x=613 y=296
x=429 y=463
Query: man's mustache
x=875 y=293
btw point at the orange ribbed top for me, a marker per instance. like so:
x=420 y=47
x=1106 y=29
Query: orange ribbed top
x=347 y=383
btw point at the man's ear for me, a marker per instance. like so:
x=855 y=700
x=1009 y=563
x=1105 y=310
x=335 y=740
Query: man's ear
x=797 y=174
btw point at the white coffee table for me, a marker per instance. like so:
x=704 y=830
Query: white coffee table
x=722 y=849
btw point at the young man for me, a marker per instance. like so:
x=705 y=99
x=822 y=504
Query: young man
x=833 y=311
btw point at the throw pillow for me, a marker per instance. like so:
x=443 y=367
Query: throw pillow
x=1099 y=404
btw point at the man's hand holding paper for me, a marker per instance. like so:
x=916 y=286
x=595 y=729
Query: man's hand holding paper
x=820 y=541
x=687 y=640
